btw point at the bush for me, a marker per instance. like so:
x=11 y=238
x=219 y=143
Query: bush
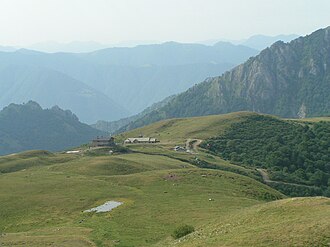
x=182 y=231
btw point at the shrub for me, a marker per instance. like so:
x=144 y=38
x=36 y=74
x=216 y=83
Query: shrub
x=182 y=231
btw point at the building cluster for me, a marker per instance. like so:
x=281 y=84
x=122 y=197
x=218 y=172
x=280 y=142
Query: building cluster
x=135 y=140
x=110 y=141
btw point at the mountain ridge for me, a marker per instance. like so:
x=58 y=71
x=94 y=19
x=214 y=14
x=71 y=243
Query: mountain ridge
x=28 y=126
x=21 y=83
x=286 y=79
x=133 y=73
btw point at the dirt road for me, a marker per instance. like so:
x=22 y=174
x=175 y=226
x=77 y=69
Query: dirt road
x=192 y=144
x=266 y=179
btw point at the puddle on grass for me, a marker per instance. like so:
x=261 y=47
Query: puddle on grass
x=106 y=207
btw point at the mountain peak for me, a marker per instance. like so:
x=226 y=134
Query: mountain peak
x=33 y=105
x=27 y=51
x=286 y=79
x=64 y=113
x=260 y=42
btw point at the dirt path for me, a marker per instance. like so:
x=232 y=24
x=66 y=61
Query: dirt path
x=264 y=175
x=192 y=144
x=266 y=179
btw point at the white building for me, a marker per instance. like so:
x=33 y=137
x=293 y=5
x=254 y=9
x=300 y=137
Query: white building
x=140 y=140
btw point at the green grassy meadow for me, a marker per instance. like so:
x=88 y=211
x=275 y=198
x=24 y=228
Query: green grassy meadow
x=43 y=196
x=39 y=202
x=180 y=129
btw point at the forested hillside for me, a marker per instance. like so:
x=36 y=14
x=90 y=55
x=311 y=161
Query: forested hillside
x=292 y=152
x=28 y=126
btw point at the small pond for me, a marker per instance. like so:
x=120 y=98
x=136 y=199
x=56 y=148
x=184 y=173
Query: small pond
x=106 y=207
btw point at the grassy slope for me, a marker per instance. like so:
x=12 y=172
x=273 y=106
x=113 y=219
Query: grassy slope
x=289 y=222
x=177 y=131
x=215 y=162
x=315 y=119
x=44 y=204
x=180 y=129
x=21 y=161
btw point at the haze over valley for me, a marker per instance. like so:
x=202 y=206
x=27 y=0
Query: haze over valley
x=120 y=79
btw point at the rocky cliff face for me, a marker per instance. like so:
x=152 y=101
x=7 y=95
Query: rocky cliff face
x=287 y=79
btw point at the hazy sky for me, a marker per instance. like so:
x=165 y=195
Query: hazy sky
x=23 y=22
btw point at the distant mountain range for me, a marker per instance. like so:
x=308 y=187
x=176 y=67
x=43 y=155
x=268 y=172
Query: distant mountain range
x=260 y=42
x=171 y=53
x=257 y=42
x=288 y=79
x=28 y=126
x=114 y=126
x=130 y=79
x=114 y=83
x=21 y=83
